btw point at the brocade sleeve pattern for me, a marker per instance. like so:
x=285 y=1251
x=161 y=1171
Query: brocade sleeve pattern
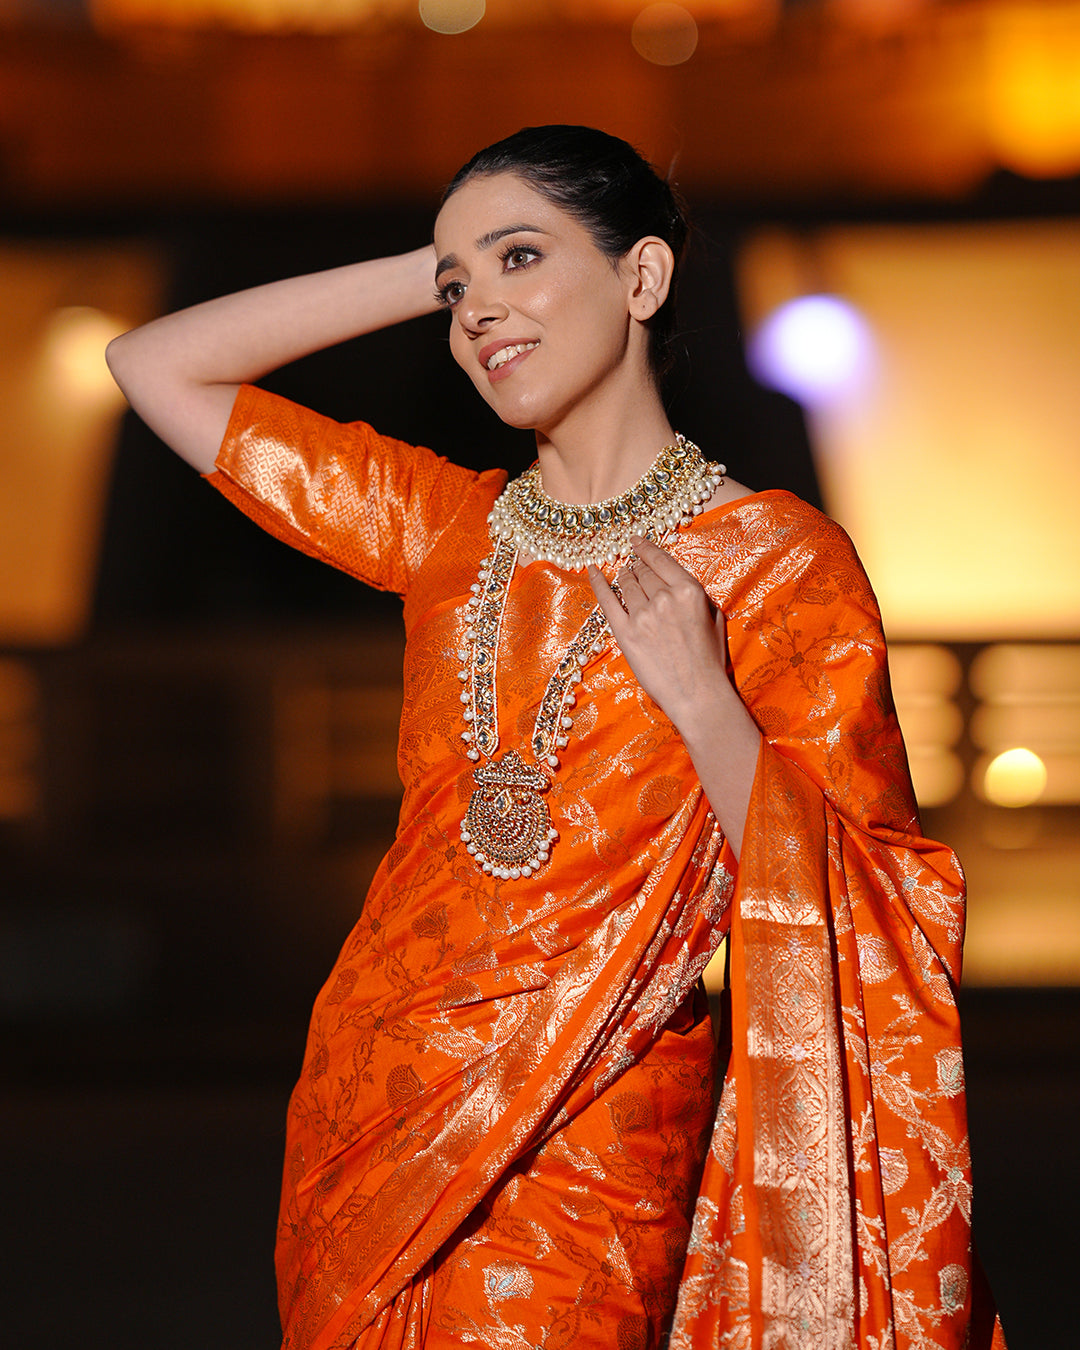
x=365 y=503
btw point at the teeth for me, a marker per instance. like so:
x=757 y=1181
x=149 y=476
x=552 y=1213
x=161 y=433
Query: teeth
x=505 y=354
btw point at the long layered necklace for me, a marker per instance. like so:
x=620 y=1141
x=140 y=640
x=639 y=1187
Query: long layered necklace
x=507 y=827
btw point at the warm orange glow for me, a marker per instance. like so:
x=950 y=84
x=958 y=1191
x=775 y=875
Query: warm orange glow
x=925 y=679
x=60 y=429
x=955 y=469
x=75 y=342
x=664 y=34
x=713 y=974
x=1033 y=87
x=319 y=16
x=442 y=16
x=451 y=16
x=878 y=16
x=1029 y=695
x=1028 y=931
x=1016 y=777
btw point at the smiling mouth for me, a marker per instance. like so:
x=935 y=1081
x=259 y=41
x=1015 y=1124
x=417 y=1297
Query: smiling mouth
x=505 y=354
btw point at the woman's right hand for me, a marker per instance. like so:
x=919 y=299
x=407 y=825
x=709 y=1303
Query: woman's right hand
x=181 y=373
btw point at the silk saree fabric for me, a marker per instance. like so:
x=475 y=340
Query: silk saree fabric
x=505 y=1106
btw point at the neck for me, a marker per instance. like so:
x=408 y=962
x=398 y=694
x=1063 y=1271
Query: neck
x=599 y=452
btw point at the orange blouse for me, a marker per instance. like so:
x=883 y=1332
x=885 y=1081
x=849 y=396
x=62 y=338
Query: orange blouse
x=498 y=1131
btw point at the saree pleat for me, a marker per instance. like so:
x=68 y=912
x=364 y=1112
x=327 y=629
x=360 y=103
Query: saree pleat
x=499 y=1130
x=596 y=1013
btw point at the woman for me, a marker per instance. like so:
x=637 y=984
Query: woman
x=613 y=754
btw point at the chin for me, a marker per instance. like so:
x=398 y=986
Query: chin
x=522 y=417
x=516 y=418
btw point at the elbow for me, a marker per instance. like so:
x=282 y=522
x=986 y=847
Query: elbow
x=117 y=359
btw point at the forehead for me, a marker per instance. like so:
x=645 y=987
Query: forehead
x=491 y=203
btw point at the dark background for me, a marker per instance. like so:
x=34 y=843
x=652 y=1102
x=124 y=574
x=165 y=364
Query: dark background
x=167 y=917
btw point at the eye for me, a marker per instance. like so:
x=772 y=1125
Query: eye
x=450 y=294
x=518 y=256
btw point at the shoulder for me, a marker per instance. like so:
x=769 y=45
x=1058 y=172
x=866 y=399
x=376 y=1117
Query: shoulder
x=763 y=543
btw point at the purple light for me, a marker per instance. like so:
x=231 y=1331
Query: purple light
x=812 y=348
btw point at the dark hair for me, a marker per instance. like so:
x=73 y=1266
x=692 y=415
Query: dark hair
x=607 y=187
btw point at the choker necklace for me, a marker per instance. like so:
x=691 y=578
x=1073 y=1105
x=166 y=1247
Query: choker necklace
x=572 y=536
x=507 y=827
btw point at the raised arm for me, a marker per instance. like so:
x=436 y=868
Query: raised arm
x=180 y=373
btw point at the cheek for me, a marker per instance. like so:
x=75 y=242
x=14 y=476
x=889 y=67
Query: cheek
x=456 y=340
x=461 y=348
x=464 y=354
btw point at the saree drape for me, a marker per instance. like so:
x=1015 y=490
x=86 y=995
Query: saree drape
x=498 y=1132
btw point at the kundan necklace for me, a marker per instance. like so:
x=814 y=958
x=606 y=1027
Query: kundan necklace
x=507 y=827
x=572 y=536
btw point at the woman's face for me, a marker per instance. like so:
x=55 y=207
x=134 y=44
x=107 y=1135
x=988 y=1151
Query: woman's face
x=539 y=319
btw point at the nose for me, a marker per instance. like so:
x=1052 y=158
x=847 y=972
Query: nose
x=479 y=309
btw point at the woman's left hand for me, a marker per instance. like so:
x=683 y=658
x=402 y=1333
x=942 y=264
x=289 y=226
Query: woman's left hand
x=675 y=640
x=668 y=629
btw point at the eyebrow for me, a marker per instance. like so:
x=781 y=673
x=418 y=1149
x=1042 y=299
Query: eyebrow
x=485 y=242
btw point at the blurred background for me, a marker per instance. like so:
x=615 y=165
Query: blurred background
x=197 y=727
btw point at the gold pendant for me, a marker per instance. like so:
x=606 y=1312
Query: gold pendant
x=507 y=827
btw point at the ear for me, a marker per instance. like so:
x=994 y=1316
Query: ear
x=650 y=266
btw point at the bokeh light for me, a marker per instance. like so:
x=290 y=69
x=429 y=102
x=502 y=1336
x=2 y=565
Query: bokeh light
x=1014 y=778
x=451 y=16
x=664 y=34
x=812 y=348
x=75 y=342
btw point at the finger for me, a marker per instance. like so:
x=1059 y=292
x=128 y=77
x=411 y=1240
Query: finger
x=720 y=625
x=648 y=581
x=661 y=562
x=607 y=599
x=633 y=593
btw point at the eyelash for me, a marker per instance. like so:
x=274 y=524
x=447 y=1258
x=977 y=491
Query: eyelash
x=442 y=293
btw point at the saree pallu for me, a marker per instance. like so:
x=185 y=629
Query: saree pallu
x=477 y=1036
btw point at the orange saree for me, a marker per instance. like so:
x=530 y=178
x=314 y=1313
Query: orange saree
x=503 y=1124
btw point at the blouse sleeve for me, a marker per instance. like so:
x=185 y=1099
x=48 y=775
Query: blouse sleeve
x=341 y=492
